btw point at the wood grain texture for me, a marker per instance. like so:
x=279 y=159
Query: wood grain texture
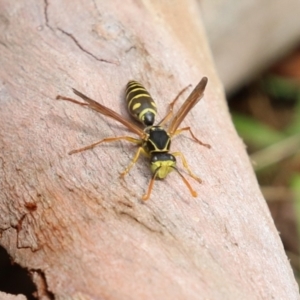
x=82 y=232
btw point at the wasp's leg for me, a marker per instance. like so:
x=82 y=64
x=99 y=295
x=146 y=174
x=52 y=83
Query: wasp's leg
x=107 y=140
x=134 y=160
x=147 y=195
x=171 y=107
x=193 y=193
x=186 y=166
x=178 y=131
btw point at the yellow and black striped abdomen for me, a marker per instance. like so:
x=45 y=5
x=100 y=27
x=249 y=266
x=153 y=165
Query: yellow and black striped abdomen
x=140 y=104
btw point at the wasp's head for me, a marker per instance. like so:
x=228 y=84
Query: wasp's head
x=162 y=164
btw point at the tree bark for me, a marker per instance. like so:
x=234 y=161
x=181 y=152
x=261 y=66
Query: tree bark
x=4 y=296
x=82 y=232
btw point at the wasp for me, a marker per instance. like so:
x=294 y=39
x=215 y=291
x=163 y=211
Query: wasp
x=153 y=140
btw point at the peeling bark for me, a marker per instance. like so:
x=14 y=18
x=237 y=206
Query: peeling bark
x=82 y=232
x=4 y=296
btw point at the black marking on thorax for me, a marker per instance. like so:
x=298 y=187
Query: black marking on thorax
x=158 y=141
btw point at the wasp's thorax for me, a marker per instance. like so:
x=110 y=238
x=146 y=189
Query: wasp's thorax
x=158 y=140
x=157 y=146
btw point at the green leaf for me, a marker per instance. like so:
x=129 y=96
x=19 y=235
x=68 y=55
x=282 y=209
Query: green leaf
x=295 y=187
x=294 y=127
x=255 y=133
x=281 y=87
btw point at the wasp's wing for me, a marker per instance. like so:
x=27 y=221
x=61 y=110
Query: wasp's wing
x=189 y=103
x=109 y=113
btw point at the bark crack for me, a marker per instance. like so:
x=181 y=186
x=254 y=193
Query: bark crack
x=40 y=281
x=85 y=50
x=135 y=219
x=46 y=5
x=71 y=36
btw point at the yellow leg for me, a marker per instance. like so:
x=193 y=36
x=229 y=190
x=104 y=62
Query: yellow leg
x=147 y=195
x=185 y=164
x=134 y=160
x=194 y=194
x=107 y=140
x=178 y=131
x=171 y=106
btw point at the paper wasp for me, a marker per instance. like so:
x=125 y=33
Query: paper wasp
x=153 y=141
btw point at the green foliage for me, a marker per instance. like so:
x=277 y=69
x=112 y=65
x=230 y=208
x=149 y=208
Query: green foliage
x=254 y=133
x=261 y=137
x=295 y=188
x=276 y=153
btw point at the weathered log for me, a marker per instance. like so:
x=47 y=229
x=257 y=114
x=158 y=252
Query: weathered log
x=82 y=232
